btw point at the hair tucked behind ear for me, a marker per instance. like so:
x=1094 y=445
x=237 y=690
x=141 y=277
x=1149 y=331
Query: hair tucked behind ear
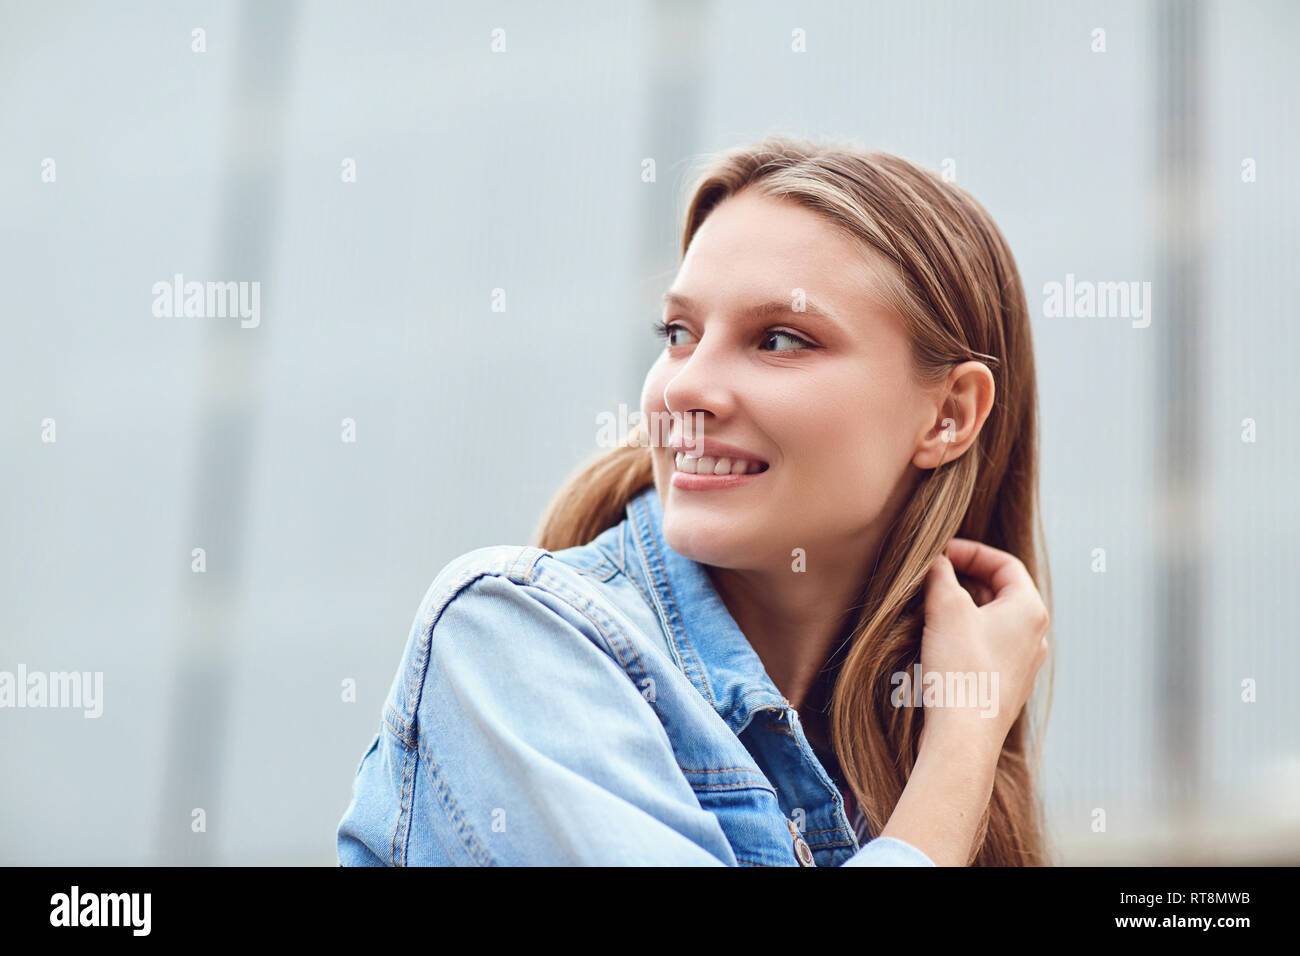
x=953 y=280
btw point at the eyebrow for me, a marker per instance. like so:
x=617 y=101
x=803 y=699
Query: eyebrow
x=765 y=309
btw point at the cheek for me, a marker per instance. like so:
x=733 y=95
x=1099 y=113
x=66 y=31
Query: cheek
x=849 y=456
x=850 y=424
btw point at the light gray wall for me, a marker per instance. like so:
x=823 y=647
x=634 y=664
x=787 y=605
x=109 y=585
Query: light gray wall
x=522 y=171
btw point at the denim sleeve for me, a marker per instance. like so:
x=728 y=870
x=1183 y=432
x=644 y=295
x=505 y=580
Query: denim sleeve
x=888 y=851
x=530 y=746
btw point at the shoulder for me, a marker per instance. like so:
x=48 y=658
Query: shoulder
x=519 y=694
x=517 y=575
x=509 y=616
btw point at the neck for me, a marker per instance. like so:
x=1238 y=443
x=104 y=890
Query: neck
x=794 y=621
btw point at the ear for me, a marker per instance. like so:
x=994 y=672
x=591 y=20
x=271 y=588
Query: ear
x=962 y=403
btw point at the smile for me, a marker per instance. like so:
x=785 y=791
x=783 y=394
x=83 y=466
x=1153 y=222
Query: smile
x=717 y=466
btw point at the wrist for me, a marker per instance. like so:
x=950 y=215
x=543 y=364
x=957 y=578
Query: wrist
x=945 y=797
x=961 y=744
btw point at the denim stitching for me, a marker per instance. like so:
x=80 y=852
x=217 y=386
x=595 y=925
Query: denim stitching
x=611 y=553
x=723 y=787
x=585 y=607
x=468 y=840
x=415 y=684
x=402 y=733
x=605 y=567
x=672 y=598
x=559 y=588
x=835 y=799
x=722 y=770
x=834 y=795
x=401 y=811
x=533 y=554
x=617 y=644
x=677 y=622
x=612 y=635
x=632 y=575
x=410 y=810
x=829 y=845
x=415 y=678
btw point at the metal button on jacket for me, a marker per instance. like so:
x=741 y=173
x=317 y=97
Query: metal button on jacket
x=802 y=851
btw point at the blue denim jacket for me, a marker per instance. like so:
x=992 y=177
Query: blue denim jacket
x=592 y=706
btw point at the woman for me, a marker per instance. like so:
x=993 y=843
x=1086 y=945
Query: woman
x=713 y=655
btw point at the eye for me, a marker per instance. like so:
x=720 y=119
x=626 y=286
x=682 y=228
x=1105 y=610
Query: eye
x=666 y=331
x=670 y=332
x=775 y=334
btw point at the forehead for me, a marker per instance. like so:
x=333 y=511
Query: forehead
x=755 y=244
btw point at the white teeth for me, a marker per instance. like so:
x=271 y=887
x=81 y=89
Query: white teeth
x=716 y=466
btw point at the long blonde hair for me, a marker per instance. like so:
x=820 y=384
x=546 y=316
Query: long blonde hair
x=956 y=286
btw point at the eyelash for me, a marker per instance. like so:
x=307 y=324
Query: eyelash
x=662 y=328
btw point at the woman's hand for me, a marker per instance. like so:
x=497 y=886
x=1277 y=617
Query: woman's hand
x=993 y=625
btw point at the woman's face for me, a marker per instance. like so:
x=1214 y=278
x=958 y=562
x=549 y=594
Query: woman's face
x=825 y=401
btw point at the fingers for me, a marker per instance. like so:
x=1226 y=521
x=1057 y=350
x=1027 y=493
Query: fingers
x=941 y=572
x=941 y=584
x=998 y=569
x=978 y=591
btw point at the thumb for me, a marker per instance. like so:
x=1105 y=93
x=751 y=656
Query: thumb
x=941 y=579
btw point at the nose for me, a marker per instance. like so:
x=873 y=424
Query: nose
x=702 y=386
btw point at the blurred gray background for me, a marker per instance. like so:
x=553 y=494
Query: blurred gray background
x=521 y=170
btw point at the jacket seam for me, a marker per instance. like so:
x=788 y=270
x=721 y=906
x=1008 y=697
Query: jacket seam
x=529 y=577
x=526 y=568
x=473 y=847
x=402 y=733
x=419 y=667
x=632 y=576
x=401 y=812
x=695 y=663
x=602 y=571
x=615 y=646
x=835 y=799
x=647 y=539
x=723 y=787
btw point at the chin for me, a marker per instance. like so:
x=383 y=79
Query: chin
x=704 y=541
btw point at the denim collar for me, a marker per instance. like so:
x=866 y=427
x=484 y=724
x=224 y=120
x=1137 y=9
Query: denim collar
x=713 y=652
